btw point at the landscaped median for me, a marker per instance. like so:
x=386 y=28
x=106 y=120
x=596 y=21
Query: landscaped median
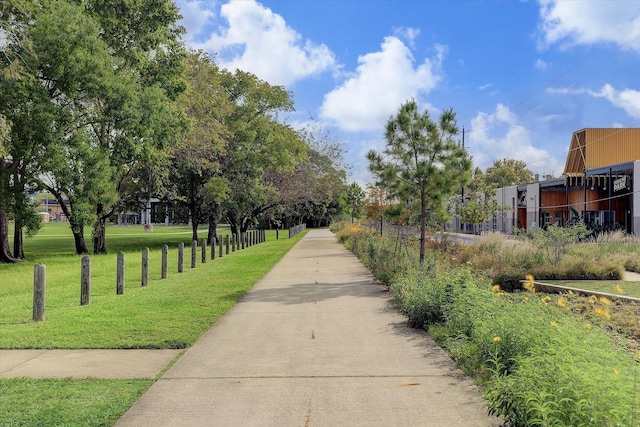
x=541 y=359
x=167 y=313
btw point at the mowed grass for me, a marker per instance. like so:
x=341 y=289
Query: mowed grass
x=616 y=287
x=168 y=313
x=67 y=402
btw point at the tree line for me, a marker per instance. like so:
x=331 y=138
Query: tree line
x=102 y=105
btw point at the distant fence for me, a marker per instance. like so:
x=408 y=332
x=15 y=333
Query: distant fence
x=224 y=246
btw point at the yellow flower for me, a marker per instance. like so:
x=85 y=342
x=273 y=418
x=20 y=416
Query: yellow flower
x=528 y=278
x=554 y=323
x=616 y=371
x=495 y=288
x=528 y=284
x=526 y=299
x=604 y=300
x=570 y=292
x=500 y=294
x=602 y=312
x=496 y=339
x=618 y=289
x=562 y=302
x=593 y=299
x=546 y=299
x=588 y=325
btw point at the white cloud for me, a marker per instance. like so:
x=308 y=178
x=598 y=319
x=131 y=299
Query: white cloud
x=589 y=22
x=382 y=81
x=540 y=65
x=196 y=15
x=498 y=135
x=627 y=99
x=259 y=41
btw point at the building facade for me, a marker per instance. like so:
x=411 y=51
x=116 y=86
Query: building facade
x=600 y=186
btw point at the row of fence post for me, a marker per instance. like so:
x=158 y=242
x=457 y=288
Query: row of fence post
x=297 y=229
x=222 y=244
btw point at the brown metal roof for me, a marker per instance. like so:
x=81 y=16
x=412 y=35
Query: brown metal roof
x=598 y=147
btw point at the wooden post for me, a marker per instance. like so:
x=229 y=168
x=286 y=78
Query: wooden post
x=39 y=290
x=180 y=257
x=213 y=248
x=120 y=274
x=165 y=262
x=219 y=247
x=85 y=281
x=277 y=234
x=226 y=244
x=243 y=238
x=233 y=243
x=203 y=257
x=194 y=248
x=145 y=267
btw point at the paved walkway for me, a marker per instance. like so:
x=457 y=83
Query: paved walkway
x=315 y=343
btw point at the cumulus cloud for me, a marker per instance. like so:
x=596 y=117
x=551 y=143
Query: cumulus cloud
x=382 y=81
x=589 y=22
x=499 y=135
x=257 y=40
x=540 y=65
x=627 y=99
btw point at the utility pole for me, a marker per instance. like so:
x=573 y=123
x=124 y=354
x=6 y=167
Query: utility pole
x=462 y=188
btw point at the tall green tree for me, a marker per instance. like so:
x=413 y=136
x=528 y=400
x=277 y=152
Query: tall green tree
x=506 y=172
x=421 y=160
x=355 y=196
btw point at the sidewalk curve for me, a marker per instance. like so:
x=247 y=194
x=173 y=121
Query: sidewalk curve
x=315 y=343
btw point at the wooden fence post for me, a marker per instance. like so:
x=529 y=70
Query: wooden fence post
x=180 y=257
x=39 y=290
x=219 y=247
x=226 y=244
x=85 y=281
x=213 y=248
x=242 y=238
x=203 y=256
x=165 y=262
x=233 y=243
x=194 y=249
x=120 y=274
x=277 y=234
x=145 y=267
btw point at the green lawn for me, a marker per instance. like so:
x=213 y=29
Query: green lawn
x=618 y=287
x=169 y=313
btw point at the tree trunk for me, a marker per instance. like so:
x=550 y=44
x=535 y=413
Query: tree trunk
x=5 y=251
x=18 y=246
x=423 y=224
x=213 y=228
x=99 y=230
x=77 y=226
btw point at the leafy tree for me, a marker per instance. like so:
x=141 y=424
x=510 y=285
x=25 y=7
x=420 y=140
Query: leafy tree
x=195 y=163
x=355 y=199
x=480 y=203
x=421 y=160
x=507 y=172
x=257 y=142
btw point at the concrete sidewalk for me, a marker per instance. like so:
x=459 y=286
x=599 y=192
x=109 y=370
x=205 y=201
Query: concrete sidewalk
x=315 y=343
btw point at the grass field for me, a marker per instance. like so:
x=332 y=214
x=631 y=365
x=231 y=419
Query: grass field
x=617 y=287
x=169 y=313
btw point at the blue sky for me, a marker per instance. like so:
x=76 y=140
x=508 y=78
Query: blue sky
x=522 y=76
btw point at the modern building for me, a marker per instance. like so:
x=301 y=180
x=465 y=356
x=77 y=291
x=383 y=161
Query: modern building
x=600 y=185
